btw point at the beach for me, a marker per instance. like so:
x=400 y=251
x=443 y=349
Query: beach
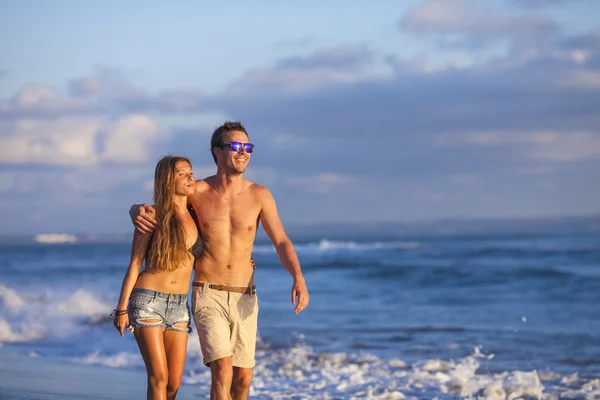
x=35 y=378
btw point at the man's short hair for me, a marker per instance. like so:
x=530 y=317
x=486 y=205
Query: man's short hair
x=218 y=136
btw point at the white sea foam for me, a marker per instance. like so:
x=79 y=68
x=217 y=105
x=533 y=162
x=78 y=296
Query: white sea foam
x=300 y=373
x=83 y=303
x=12 y=334
x=334 y=245
x=119 y=360
x=29 y=317
x=10 y=299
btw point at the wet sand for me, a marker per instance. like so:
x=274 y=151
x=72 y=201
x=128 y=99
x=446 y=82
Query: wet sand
x=33 y=378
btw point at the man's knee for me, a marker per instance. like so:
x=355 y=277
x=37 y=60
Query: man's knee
x=242 y=377
x=221 y=370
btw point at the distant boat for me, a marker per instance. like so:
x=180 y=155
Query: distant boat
x=55 y=238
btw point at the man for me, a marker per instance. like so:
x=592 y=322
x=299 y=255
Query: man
x=229 y=209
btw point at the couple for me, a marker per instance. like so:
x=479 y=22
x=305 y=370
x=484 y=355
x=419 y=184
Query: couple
x=207 y=225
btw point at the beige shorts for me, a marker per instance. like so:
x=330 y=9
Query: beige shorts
x=226 y=323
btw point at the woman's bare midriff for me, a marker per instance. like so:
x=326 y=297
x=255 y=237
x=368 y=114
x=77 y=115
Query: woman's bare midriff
x=176 y=282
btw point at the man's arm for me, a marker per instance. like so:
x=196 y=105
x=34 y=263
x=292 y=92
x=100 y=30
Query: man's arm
x=143 y=217
x=284 y=247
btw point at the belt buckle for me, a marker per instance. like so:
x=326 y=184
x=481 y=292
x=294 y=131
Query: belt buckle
x=253 y=291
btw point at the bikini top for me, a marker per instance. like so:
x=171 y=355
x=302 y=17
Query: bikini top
x=197 y=247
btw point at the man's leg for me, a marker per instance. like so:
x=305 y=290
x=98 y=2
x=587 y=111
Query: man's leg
x=221 y=372
x=211 y=310
x=240 y=385
x=243 y=334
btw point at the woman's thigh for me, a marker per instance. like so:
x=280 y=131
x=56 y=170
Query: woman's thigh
x=175 y=344
x=151 y=343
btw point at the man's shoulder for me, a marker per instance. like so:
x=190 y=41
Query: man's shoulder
x=203 y=184
x=256 y=189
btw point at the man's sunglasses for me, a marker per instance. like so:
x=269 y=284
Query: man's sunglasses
x=237 y=146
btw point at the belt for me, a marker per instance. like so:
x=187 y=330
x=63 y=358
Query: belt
x=251 y=290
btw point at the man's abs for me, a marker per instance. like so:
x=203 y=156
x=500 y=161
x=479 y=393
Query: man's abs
x=234 y=270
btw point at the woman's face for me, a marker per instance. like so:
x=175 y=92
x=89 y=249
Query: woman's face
x=185 y=184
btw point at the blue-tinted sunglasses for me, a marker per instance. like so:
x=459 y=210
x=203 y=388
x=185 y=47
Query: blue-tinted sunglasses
x=237 y=146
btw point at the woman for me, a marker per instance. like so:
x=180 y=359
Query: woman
x=157 y=297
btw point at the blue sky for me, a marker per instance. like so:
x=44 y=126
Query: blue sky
x=380 y=112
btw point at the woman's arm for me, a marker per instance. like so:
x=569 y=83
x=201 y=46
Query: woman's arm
x=139 y=248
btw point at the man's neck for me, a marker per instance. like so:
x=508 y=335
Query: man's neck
x=228 y=185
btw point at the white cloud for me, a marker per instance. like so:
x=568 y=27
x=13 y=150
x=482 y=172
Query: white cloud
x=336 y=65
x=41 y=99
x=128 y=138
x=66 y=141
x=97 y=180
x=473 y=22
x=75 y=140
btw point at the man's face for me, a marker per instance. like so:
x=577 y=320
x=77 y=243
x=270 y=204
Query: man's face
x=235 y=160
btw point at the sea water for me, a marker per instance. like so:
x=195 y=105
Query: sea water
x=495 y=317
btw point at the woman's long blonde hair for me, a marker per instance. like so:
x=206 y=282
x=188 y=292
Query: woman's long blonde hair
x=168 y=250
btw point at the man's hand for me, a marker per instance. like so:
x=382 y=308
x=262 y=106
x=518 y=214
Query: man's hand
x=143 y=217
x=299 y=293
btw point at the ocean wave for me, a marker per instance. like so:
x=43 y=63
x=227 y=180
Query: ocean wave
x=325 y=246
x=521 y=253
x=299 y=372
x=469 y=275
x=119 y=360
x=34 y=316
x=12 y=334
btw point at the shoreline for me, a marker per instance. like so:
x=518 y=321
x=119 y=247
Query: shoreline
x=32 y=378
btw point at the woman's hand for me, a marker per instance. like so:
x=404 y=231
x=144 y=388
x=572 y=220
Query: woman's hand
x=121 y=322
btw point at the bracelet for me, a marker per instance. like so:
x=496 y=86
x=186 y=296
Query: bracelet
x=119 y=312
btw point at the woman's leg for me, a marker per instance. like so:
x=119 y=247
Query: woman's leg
x=151 y=343
x=175 y=348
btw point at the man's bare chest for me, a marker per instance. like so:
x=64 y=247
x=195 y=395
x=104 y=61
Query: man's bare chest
x=225 y=217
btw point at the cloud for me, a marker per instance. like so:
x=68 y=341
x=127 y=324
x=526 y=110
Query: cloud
x=127 y=140
x=542 y=3
x=467 y=23
x=76 y=141
x=422 y=138
x=324 y=182
x=106 y=91
x=106 y=82
x=550 y=146
x=342 y=64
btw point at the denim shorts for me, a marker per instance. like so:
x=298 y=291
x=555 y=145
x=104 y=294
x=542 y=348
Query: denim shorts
x=169 y=309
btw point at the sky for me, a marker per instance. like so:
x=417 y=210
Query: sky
x=391 y=111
